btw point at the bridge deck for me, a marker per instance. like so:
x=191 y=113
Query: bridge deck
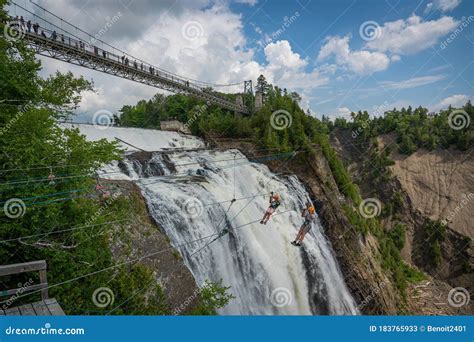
x=82 y=53
x=47 y=307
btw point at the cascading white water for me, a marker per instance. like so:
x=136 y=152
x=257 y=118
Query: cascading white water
x=188 y=195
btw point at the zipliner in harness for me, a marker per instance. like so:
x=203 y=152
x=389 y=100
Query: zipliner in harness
x=309 y=215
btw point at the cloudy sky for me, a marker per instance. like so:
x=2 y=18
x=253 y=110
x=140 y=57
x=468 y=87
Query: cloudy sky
x=341 y=55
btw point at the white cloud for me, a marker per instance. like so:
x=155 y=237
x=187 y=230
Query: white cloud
x=286 y=68
x=136 y=17
x=111 y=92
x=247 y=2
x=395 y=58
x=410 y=36
x=343 y=111
x=280 y=54
x=305 y=102
x=455 y=101
x=442 y=5
x=362 y=62
x=412 y=82
x=218 y=54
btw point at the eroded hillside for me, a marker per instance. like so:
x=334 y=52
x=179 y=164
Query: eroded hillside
x=430 y=194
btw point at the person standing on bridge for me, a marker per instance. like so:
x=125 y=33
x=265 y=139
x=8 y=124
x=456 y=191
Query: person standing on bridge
x=274 y=204
x=28 y=25
x=309 y=215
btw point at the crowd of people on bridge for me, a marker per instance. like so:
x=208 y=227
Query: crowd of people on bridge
x=27 y=26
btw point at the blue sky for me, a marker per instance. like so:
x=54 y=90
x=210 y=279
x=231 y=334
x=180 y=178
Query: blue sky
x=426 y=77
x=341 y=55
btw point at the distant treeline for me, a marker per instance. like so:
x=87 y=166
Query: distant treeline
x=415 y=128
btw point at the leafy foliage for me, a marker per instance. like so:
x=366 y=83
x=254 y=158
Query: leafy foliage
x=211 y=297
x=417 y=128
x=33 y=147
x=435 y=234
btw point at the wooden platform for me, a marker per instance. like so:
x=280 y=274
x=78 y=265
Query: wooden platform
x=47 y=307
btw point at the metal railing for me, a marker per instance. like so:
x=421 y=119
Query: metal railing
x=67 y=48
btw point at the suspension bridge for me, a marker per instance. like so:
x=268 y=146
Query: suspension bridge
x=54 y=41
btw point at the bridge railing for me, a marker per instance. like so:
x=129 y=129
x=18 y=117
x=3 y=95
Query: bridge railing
x=46 y=34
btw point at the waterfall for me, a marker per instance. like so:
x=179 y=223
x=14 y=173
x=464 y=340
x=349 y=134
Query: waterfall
x=189 y=196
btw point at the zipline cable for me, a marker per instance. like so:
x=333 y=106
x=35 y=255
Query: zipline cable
x=79 y=175
x=154 y=253
x=62 y=230
x=50 y=195
x=225 y=230
x=126 y=262
x=65 y=230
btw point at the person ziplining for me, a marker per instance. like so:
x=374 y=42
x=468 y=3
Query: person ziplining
x=274 y=204
x=309 y=215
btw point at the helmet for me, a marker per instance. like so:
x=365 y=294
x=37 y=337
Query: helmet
x=276 y=196
x=311 y=210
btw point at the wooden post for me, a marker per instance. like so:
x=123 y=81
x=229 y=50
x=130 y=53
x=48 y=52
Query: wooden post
x=44 y=280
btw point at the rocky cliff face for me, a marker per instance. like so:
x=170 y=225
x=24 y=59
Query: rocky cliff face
x=141 y=237
x=429 y=186
x=356 y=255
